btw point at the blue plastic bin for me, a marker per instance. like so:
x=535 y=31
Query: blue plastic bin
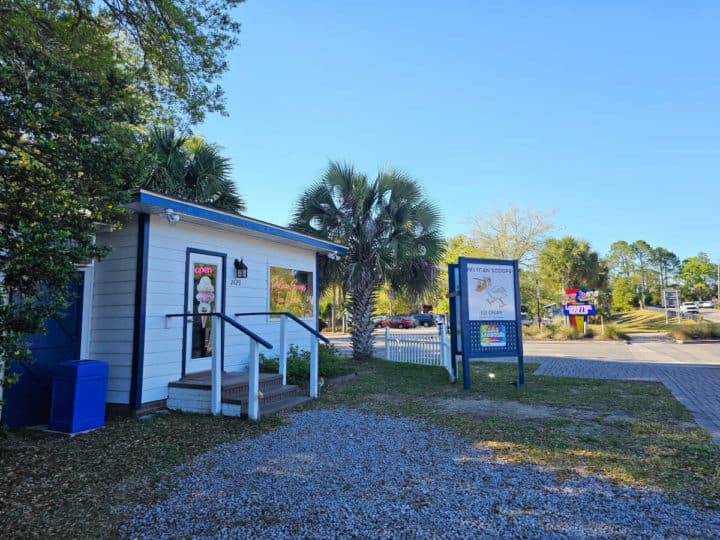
x=78 y=396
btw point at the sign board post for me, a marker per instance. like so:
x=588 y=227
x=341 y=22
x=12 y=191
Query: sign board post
x=489 y=312
x=454 y=301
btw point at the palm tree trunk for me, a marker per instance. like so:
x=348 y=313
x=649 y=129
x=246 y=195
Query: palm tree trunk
x=362 y=304
x=333 y=305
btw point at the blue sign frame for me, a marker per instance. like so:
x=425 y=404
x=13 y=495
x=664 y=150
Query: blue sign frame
x=492 y=337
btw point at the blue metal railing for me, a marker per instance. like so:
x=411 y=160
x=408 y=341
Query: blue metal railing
x=231 y=322
x=291 y=316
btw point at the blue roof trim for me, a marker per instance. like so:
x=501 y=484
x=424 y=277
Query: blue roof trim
x=207 y=213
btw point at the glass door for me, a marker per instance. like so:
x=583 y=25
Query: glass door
x=205 y=294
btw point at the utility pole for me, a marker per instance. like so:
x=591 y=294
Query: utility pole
x=537 y=296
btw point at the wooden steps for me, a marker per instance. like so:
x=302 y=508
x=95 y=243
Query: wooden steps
x=275 y=395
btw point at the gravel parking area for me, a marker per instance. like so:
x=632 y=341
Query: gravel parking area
x=343 y=473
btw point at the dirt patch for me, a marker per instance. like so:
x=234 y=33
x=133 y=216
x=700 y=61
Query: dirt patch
x=386 y=398
x=507 y=409
x=619 y=417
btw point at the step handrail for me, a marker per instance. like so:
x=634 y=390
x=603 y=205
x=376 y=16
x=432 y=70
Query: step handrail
x=293 y=317
x=231 y=322
x=282 y=359
x=216 y=368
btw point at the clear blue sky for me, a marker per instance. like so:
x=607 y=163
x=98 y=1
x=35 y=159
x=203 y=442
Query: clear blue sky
x=608 y=112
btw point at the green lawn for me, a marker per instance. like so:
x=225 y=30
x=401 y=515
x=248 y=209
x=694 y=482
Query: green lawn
x=652 y=321
x=640 y=320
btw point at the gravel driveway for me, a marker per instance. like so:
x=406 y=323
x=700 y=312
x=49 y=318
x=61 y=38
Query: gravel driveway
x=346 y=474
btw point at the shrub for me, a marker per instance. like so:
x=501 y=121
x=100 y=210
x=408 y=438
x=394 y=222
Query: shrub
x=567 y=332
x=611 y=332
x=690 y=331
x=330 y=364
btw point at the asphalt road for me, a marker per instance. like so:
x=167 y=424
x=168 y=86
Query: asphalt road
x=711 y=314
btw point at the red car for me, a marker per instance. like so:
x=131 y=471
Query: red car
x=402 y=321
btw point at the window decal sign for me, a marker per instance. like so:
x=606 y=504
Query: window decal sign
x=291 y=291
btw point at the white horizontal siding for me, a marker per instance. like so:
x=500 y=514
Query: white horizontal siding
x=166 y=294
x=112 y=325
x=120 y=308
x=189 y=400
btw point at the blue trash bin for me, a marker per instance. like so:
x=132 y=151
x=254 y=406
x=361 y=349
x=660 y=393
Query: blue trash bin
x=78 y=396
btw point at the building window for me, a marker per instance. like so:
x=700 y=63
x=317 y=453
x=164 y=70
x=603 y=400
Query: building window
x=291 y=291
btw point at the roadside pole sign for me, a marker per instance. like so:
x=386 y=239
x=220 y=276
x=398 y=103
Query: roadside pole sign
x=490 y=317
x=671 y=298
x=671 y=301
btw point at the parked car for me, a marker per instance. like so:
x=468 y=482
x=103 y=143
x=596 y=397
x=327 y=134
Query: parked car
x=706 y=304
x=424 y=319
x=527 y=319
x=689 y=307
x=380 y=321
x=402 y=321
x=440 y=319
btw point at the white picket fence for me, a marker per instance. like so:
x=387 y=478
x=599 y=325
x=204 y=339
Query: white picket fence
x=419 y=349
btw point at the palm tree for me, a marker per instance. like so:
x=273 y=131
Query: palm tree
x=192 y=169
x=391 y=230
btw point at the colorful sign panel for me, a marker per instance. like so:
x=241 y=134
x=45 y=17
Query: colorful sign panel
x=579 y=309
x=493 y=335
x=578 y=296
x=491 y=292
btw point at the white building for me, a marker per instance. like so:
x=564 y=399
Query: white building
x=171 y=258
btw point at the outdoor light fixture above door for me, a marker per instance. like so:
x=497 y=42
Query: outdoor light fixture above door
x=240 y=269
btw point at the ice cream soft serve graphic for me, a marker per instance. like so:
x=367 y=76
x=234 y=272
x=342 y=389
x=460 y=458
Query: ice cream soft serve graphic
x=205 y=295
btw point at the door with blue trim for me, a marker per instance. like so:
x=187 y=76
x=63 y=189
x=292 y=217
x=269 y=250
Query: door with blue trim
x=205 y=293
x=27 y=402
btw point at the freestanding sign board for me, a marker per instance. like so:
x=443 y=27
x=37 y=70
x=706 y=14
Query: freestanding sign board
x=490 y=312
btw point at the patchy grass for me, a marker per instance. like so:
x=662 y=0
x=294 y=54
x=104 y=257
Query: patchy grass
x=628 y=432
x=652 y=321
x=640 y=320
x=62 y=487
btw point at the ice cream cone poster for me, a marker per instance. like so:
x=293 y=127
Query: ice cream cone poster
x=491 y=292
x=205 y=290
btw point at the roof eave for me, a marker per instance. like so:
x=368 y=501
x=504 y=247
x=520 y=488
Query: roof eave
x=148 y=202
